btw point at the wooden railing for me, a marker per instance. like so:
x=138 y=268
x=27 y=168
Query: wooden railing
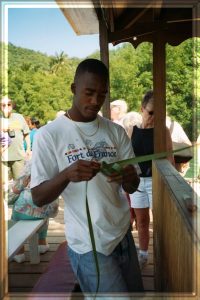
x=176 y=232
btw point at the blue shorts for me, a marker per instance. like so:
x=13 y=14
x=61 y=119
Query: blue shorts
x=119 y=271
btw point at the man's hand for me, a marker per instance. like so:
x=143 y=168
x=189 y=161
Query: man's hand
x=48 y=191
x=128 y=178
x=82 y=170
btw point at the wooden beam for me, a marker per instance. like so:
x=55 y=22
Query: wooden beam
x=129 y=17
x=104 y=52
x=138 y=17
x=144 y=3
x=111 y=19
x=138 y=29
x=182 y=28
x=159 y=87
x=157 y=10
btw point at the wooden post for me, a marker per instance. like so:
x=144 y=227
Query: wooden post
x=104 y=53
x=196 y=132
x=196 y=74
x=3 y=249
x=159 y=87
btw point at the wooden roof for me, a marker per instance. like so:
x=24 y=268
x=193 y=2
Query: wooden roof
x=135 y=21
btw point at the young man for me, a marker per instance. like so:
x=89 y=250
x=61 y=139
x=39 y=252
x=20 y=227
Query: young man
x=67 y=156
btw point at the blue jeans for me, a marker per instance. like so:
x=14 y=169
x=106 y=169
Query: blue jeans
x=119 y=271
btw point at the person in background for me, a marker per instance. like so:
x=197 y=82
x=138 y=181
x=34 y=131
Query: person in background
x=16 y=127
x=198 y=156
x=5 y=141
x=24 y=209
x=119 y=115
x=131 y=119
x=67 y=157
x=28 y=122
x=34 y=125
x=118 y=109
x=180 y=140
x=143 y=144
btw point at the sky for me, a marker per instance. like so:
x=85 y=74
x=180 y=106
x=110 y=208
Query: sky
x=48 y=31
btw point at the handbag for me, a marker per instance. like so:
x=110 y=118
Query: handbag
x=182 y=156
x=23 y=202
x=25 y=205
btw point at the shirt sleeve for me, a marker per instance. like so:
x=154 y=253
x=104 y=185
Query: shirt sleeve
x=44 y=164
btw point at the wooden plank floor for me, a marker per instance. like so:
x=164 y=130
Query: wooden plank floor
x=148 y=271
x=22 y=277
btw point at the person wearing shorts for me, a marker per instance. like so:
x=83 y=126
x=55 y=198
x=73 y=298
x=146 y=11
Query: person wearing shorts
x=143 y=143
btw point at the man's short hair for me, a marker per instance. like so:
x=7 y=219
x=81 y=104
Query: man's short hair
x=92 y=65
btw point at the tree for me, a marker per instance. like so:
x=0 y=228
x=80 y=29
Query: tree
x=131 y=73
x=180 y=70
x=57 y=62
x=40 y=85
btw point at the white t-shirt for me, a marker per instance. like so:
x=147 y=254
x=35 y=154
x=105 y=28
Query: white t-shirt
x=58 y=145
x=178 y=134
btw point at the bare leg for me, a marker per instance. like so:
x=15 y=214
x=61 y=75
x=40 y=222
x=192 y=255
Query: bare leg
x=143 y=220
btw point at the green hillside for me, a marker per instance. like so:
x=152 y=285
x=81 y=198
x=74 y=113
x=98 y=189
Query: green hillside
x=18 y=56
x=40 y=84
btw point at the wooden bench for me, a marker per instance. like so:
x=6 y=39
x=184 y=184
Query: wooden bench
x=21 y=231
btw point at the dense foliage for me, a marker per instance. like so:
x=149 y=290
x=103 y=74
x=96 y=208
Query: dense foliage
x=40 y=84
